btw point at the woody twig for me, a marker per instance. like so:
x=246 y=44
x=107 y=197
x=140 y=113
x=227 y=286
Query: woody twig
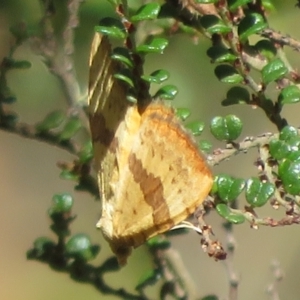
x=228 y=262
x=58 y=57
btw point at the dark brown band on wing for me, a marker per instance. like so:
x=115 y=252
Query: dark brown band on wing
x=152 y=190
x=101 y=134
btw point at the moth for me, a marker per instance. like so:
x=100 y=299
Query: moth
x=151 y=175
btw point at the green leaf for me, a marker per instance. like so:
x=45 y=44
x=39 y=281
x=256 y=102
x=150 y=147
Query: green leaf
x=157 y=76
x=132 y=98
x=288 y=132
x=110 y=265
x=214 y=25
x=235 y=4
x=167 y=92
x=220 y=54
x=126 y=76
x=148 y=11
x=251 y=24
x=150 y=278
x=266 y=48
x=112 y=28
x=228 y=74
x=122 y=55
x=205 y=146
x=70 y=129
x=279 y=149
x=288 y=145
x=86 y=153
x=227 y=187
x=224 y=211
x=235 y=218
x=42 y=246
x=289 y=95
x=268 y=5
x=51 y=121
x=236 y=95
x=80 y=247
x=157 y=45
x=228 y=128
x=69 y=175
x=258 y=193
x=62 y=203
x=289 y=173
x=195 y=127
x=273 y=71
x=183 y=113
x=294 y=155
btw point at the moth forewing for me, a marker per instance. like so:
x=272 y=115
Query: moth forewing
x=151 y=175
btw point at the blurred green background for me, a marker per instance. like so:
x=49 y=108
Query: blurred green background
x=29 y=176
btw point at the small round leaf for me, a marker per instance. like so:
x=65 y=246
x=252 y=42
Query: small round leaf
x=86 y=153
x=205 y=146
x=183 y=113
x=157 y=45
x=51 y=121
x=62 y=203
x=273 y=71
x=224 y=211
x=229 y=188
x=251 y=24
x=167 y=92
x=42 y=246
x=70 y=129
x=148 y=11
x=236 y=95
x=266 y=48
x=214 y=25
x=287 y=133
x=228 y=128
x=279 y=149
x=228 y=74
x=150 y=278
x=289 y=95
x=126 y=76
x=80 y=247
x=122 y=55
x=220 y=54
x=195 y=127
x=157 y=76
x=289 y=173
x=112 y=28
x=258 y=193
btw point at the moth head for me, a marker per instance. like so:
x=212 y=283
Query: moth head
x=122 y=252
